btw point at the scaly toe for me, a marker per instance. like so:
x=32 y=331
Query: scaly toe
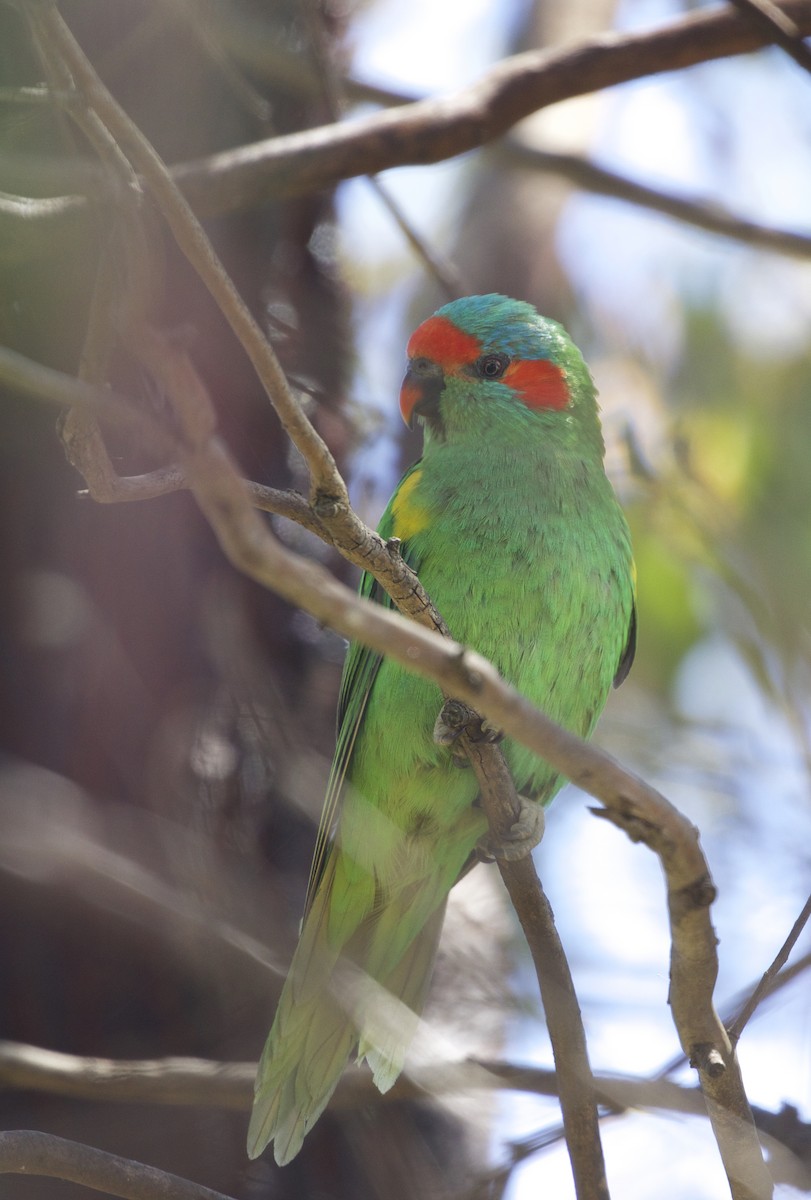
x=451 y=722
x=522 y=837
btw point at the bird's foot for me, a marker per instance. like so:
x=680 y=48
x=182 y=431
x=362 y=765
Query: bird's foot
x=456 y=718
x=520 y=839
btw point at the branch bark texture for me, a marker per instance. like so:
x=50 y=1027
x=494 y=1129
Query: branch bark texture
x=29 y=1152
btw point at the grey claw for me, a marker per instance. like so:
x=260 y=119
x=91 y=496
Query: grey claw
x=522 y=837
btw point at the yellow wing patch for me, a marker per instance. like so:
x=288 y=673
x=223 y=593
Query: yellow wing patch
x=409 y=516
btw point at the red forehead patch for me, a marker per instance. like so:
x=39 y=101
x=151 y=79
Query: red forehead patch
x=538 y=382
x=441 y=341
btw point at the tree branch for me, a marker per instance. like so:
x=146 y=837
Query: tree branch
x=779 y=28
x=592 y=178
x=28 y=1152
x=767 y=982
x=430 y=131
x=203 y=1083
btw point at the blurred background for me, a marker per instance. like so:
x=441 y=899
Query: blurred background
x=166 y=726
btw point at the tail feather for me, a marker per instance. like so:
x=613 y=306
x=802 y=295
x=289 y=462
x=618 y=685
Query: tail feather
x=385 y=1048
x=304 y=1057
x=329 y=1004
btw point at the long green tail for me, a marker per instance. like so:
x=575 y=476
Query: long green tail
x=329 y=1008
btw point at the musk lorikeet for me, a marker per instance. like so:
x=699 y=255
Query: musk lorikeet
x=515 y=531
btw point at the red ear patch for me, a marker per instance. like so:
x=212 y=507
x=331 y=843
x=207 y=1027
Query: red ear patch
x=538 y=382
x=441 y=341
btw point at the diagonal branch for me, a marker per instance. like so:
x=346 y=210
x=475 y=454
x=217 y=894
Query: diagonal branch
x=29 y=1152
x=779 y=27
x=766 y=983
x=430 y=131
x=703 y=215
x=194 y=243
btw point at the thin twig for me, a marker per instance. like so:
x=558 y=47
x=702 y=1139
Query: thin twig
x=29 y=1152
x=193 y=242
x=195 y=19
x=332 y=91
x=592 y=178
x=446 y=273
x=765 y=986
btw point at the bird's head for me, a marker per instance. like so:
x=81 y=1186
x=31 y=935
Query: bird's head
x=487 y=361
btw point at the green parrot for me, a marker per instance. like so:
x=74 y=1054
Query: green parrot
x=514 y=530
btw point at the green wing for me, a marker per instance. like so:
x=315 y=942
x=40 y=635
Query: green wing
x=360 y=670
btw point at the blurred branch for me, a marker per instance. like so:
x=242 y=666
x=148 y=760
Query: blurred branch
x=713 y=218
x=28 y=1152
x=205 y=1083
x=431 y=131
x=766 y=984
x=202 y=1083
x=175 y=1081
x=779 y=27
x=427 y=131
x=331 y=87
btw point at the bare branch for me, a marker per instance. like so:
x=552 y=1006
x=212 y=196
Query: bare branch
x=779 y=27
x=766 y=984
x=202 y=1083
x=196 y=246
x=713 y=218
x=430 y=131
x=28 y=1152
x=578 y=1097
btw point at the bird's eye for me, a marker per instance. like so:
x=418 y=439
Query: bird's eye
x=492 y=366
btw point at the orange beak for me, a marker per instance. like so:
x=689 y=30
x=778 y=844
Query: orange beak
x=421 y=389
